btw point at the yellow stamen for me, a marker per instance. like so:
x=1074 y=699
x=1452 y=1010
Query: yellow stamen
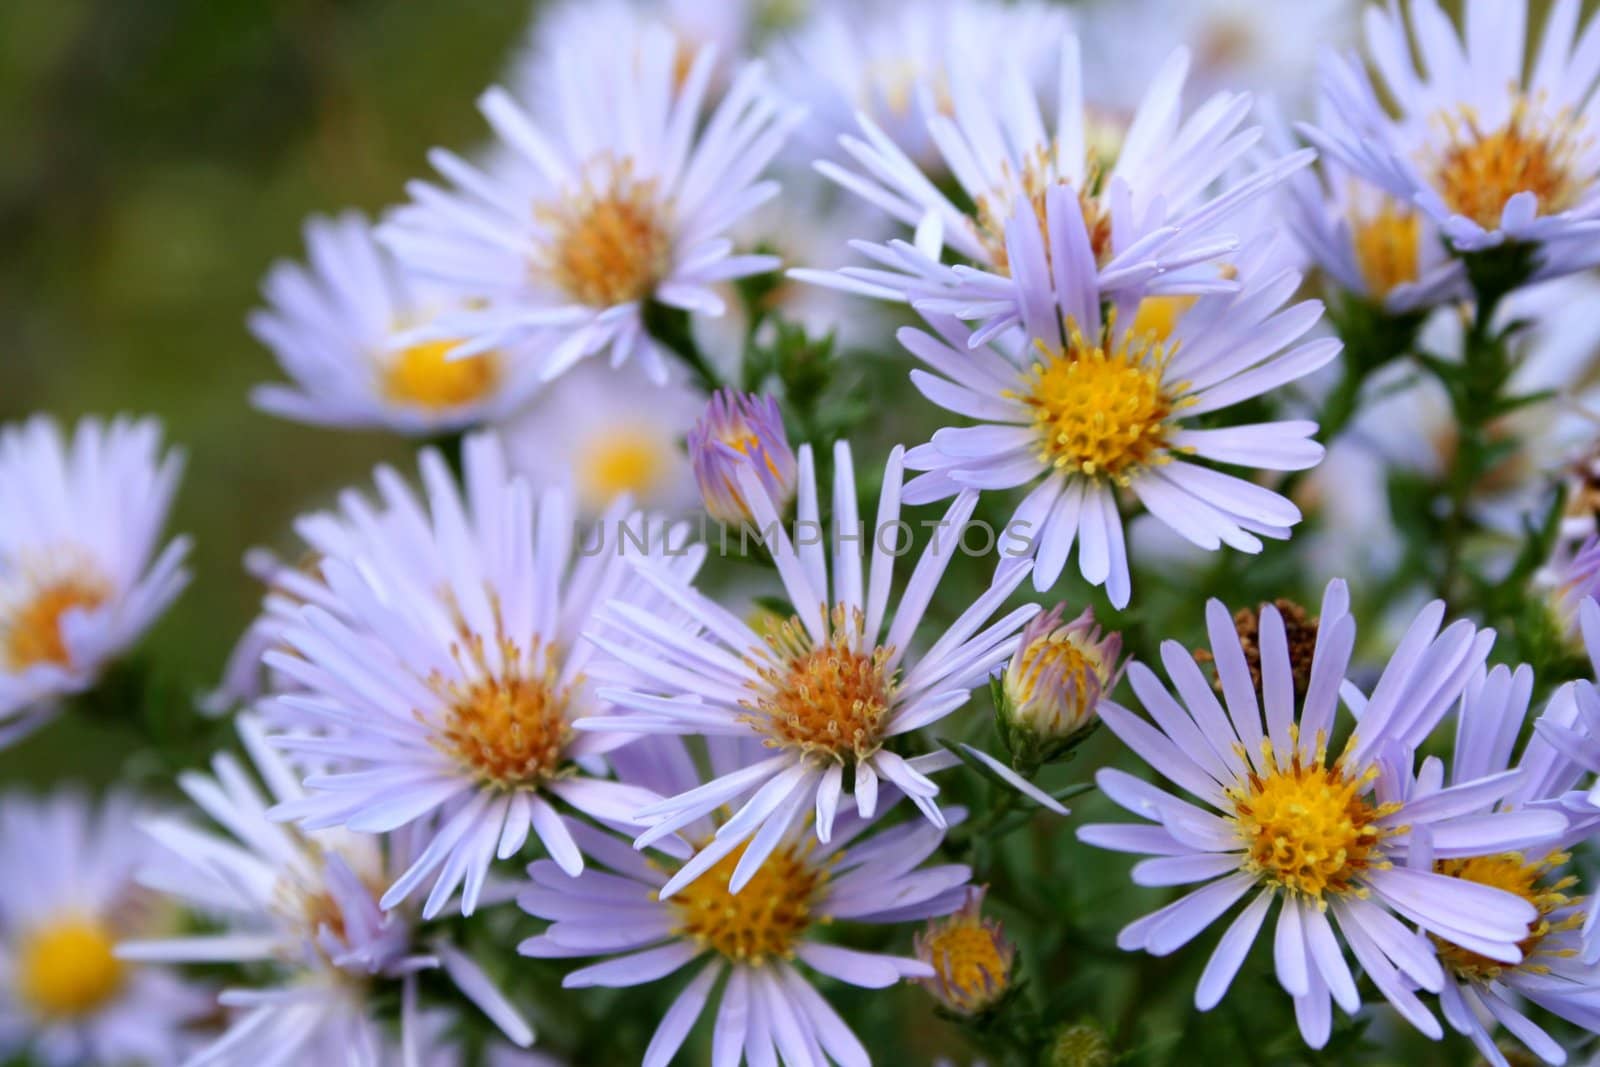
x=509 y=728
x=1309 y=827
x=766 y=918
x=1481 y=169
x=68 y=968
x=612 y=243
x=829 y=699
x=1103 y=411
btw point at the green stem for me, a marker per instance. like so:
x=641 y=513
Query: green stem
x=670 y=326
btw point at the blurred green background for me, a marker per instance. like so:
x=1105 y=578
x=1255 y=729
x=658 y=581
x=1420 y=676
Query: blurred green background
x=155 y=158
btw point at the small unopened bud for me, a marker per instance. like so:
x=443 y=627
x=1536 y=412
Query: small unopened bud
x=971 y=958
x=1051 y=690
x=1080 y=1045
x=740 y=429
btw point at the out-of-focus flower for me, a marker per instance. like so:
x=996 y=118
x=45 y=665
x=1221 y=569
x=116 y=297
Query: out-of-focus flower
x=1552 y=972
x=895 y=62
x=971 y=958
x=1491 y=151
x=1100 y=408
x=1051 y=691
x=69 y=896
x=828 y=690
x=304 y=905
x=447 y=678
x=79 y=524
x=1326 y=839
x=736 y=431
x=1146 y=219
x=1568 y=579
x=627 y=199
x=603 y=433
x=1080 y=1045
x=1236 y=44
x=333 y=325
x=759 y=936
x=1371 y=245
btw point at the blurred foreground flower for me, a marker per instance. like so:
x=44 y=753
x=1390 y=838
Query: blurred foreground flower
x=306 y=906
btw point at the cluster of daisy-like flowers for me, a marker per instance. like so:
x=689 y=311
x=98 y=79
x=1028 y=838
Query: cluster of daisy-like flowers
x=532 y=681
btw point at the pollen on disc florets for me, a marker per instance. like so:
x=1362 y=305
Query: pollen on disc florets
x=766 y=918
x=612 y=242
x=1511 y=872
x=1308 y=826
x=1101 y=408
x=508 y=726
x=829 y=699
x=1479 y=169
x=31 y=623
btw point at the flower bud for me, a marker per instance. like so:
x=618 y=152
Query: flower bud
x=971 y=958
x=740 y=428
x=1080 y=1045
x=1050 y=692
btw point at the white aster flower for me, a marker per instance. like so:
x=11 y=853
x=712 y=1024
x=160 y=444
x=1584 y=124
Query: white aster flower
x=447 y=677
x=1326 y=839
x=894 y=62
x=79 y=524
x=604 y=433
x=69 y=896
x=1083 y=414
x=342 y=327
x=1491 y=151
x=757 y=938
x=1144 y=207
x=625 y=196
x=1481 y=993
x=304 y=905
x=826 y=689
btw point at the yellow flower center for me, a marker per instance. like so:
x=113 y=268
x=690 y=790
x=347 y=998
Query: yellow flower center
x=1038 y=175
x=68 y=968
x=509 y=728
x=1388 y=247
x=425 y=376
x=624 y=461
x=766 y=918
x=1309 y=828
x=1508 y=871
x=612 y=243
x=1480 y=170
x=1105 y=413
x=32 y=635
x=827 y=699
